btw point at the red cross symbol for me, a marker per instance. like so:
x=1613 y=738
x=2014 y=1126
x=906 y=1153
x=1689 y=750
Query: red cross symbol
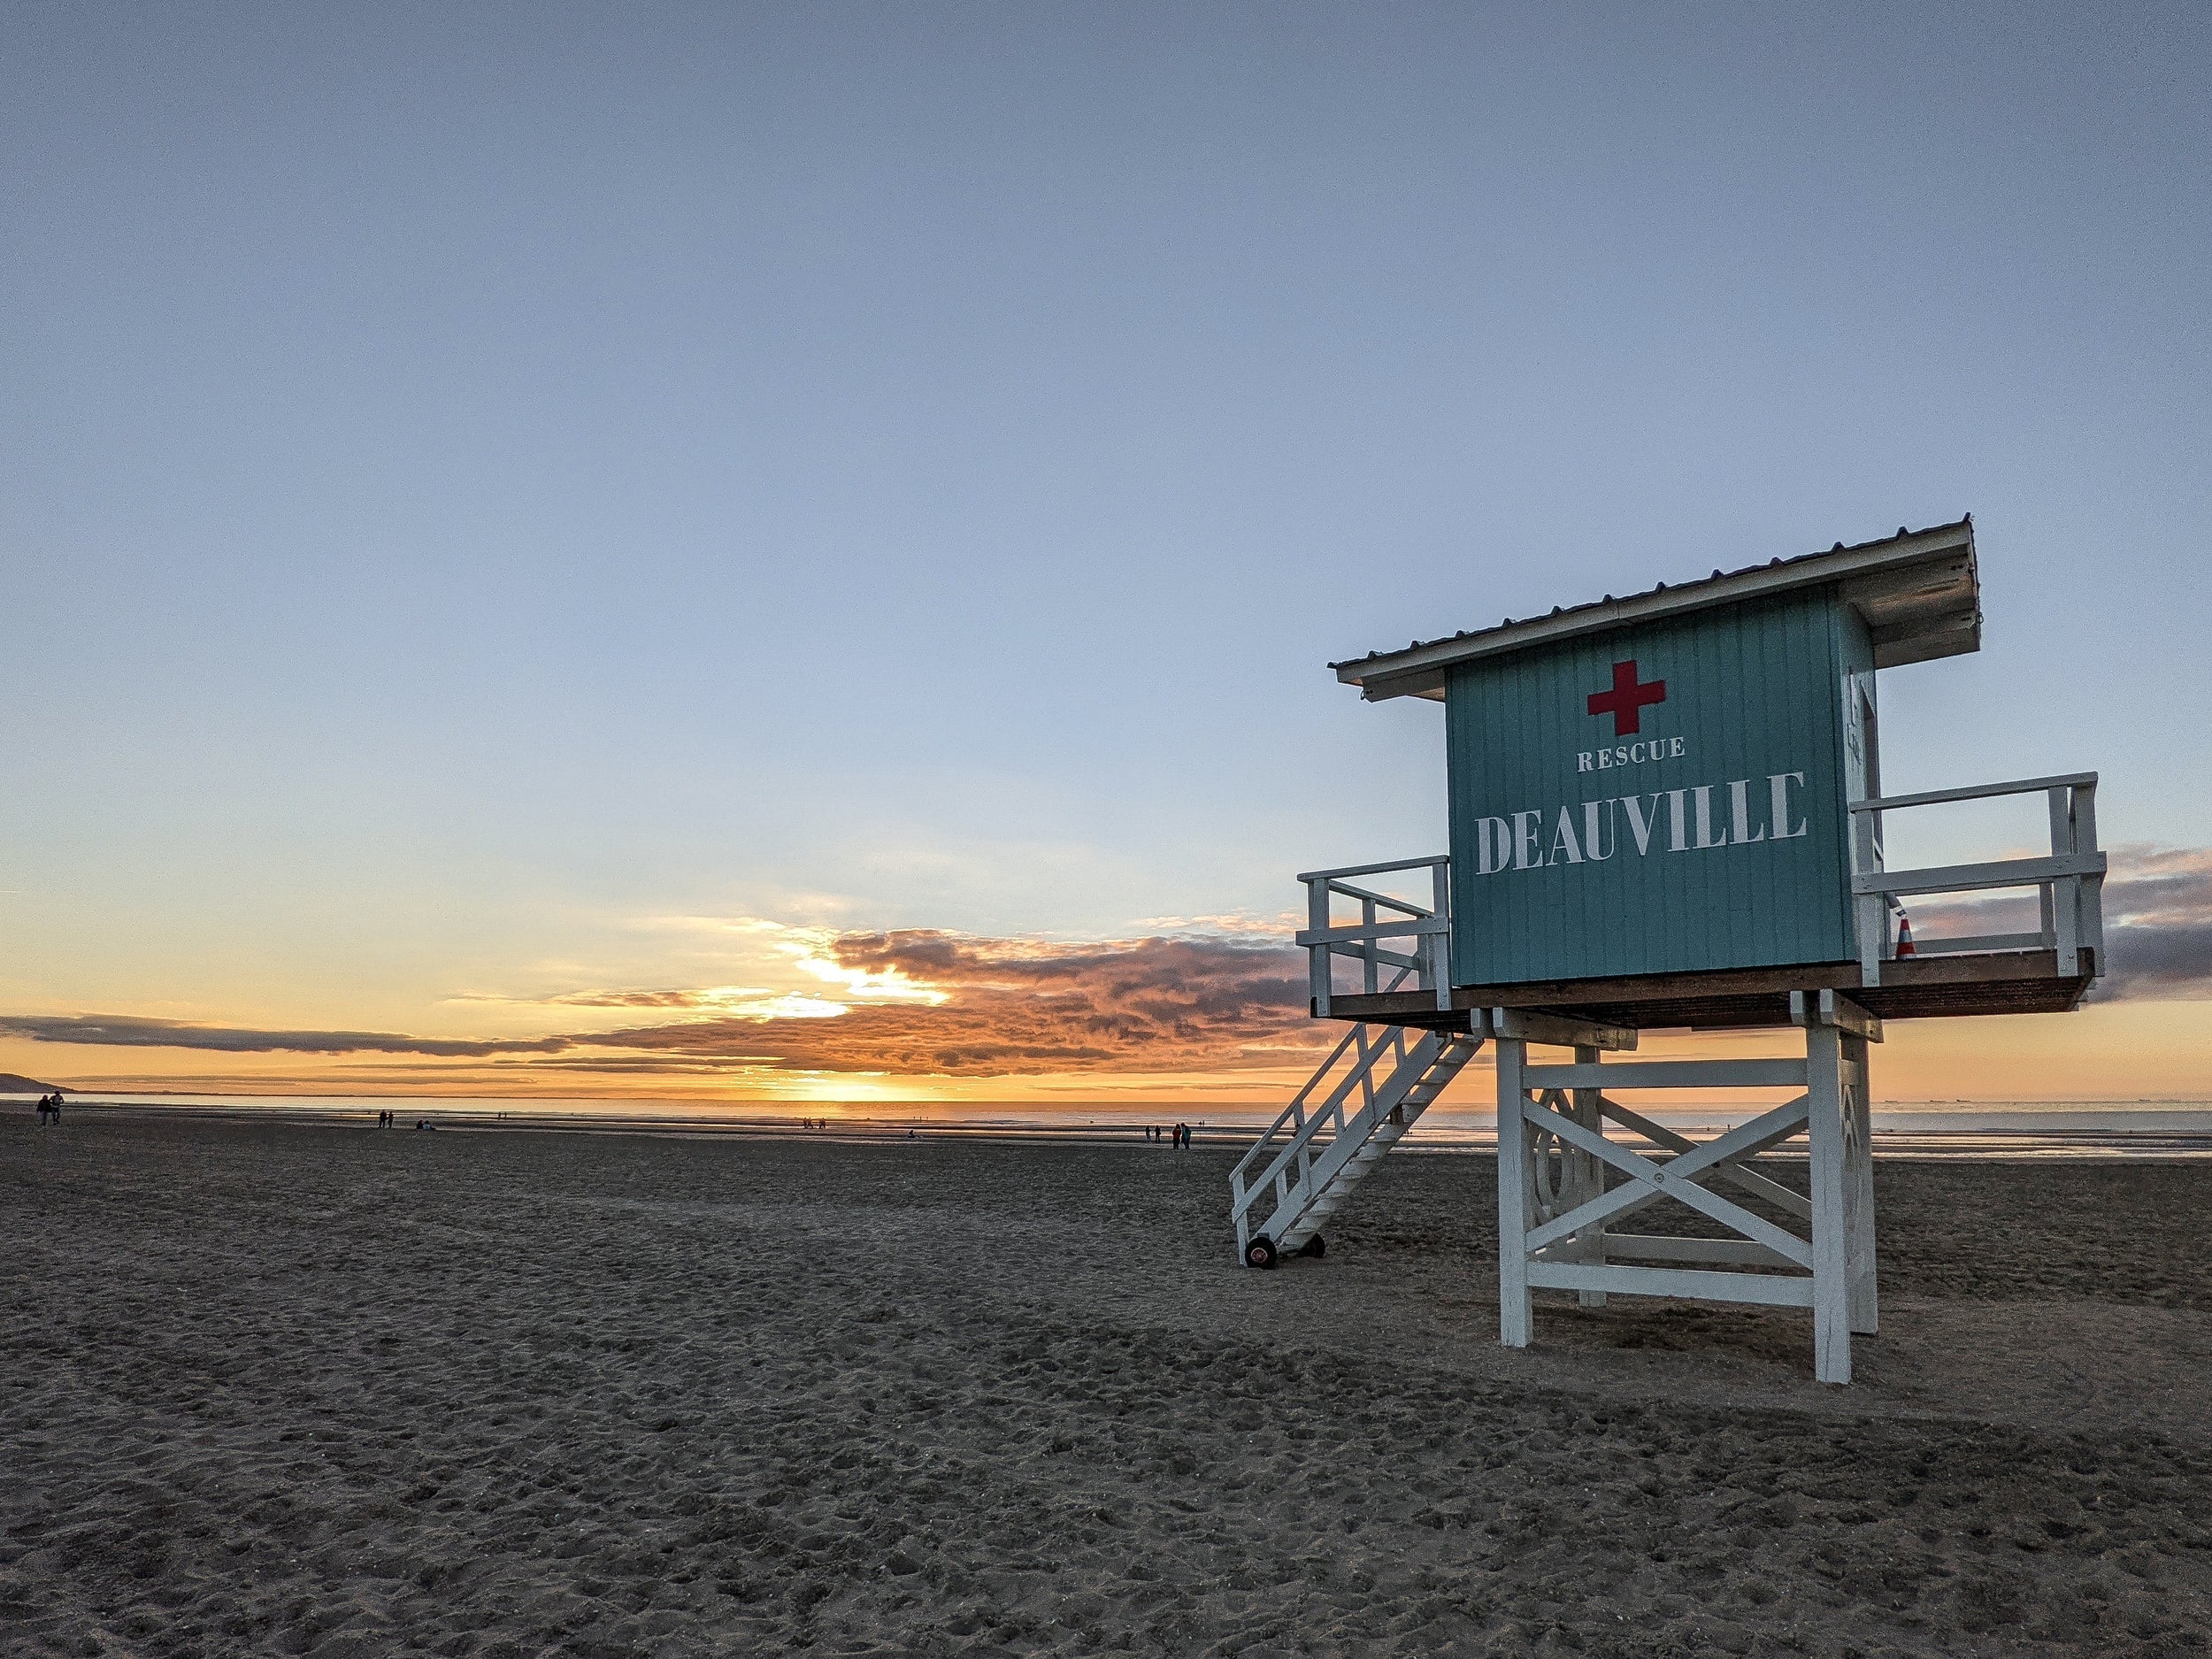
x=1625 y=702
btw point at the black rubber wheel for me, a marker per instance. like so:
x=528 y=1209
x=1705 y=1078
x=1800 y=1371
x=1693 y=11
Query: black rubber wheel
x=1260 y=1252
x=1315 y=1246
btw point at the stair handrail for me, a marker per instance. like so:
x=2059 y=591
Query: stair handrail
x=1427 y=961
x=2069 y=883
x=1331 y=1115
x=1295 y=1114
x=1411 y=1088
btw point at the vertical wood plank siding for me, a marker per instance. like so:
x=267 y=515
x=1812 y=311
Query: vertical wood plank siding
x=1752 y=690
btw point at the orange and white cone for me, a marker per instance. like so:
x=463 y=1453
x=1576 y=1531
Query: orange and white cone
x=1904 y=935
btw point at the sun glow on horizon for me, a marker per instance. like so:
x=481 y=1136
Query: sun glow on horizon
x=739 y=1009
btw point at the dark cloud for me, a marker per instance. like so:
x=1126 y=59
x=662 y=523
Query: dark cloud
x=2157 y=921
x=1010 y=1007
x=128 y=1031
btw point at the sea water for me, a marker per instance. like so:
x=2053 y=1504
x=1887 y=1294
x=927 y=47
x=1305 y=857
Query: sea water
x=1956 y=1128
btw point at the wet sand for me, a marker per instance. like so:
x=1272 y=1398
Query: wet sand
x=272 y=1388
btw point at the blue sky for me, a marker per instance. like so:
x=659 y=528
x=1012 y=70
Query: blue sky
x=483 y=481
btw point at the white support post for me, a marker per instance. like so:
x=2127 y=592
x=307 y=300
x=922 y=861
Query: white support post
x=1859 y=1185
x=1873 y=939
x=1439 y=945
x=1319 y=971
x=1832 y=1290
x=2066 y=892
x=1516 y=1314
x=1587 y=1179
x=2084 y=819
x=1871 y=908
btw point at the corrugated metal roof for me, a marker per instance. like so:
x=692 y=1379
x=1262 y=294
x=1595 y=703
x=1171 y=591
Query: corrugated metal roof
x=1860 y=561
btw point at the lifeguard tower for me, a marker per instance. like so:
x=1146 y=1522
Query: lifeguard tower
x=1666 y=812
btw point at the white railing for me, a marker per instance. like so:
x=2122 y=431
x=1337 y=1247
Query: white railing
x=2070 y=882
x=1368 y=1057
x=1425 y=956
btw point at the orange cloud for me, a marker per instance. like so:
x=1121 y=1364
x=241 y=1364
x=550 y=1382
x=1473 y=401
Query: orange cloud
x=923 y=1002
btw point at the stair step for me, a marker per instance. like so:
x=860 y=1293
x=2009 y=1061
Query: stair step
x=1325 y=1170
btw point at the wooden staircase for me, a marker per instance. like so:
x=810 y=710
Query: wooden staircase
x=1370 y=1090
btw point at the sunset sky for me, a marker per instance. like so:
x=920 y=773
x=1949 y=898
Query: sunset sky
x=789 y=552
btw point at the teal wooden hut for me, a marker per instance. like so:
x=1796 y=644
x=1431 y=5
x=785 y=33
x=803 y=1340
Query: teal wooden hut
x=1666 y=812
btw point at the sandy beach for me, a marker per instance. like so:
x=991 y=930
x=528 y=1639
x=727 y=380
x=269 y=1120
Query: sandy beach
x=272 y=1388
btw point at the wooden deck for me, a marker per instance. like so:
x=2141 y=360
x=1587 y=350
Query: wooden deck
x=1990 y=982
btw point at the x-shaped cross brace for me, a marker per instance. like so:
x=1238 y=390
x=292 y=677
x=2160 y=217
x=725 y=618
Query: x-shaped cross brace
x=1680 y=1178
